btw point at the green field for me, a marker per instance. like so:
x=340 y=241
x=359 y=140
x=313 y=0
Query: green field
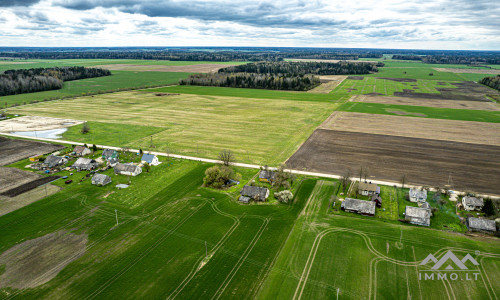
x=175 y=239
x=423 y=112
x=256 y=130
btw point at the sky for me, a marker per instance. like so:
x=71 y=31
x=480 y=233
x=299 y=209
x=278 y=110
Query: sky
x=435 y=24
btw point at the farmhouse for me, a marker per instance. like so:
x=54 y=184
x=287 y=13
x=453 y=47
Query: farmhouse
x=368 y=188
x=472 y=203
x=81 y=151
x=53 y=161
x=150 y=159
x=86 y=164
x=481 y=225
x=127 y=169
x=418 y=215
x=100 y=179
x=378 y=200
x=109 y=154
x=266 y=176
x=362 y=207
x=418 y=195
x=253 y=193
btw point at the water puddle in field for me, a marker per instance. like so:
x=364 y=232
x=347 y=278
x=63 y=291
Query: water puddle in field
x=47 y=134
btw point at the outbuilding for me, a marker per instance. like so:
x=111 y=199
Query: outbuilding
x=481 y=225
x=418 y=215
x=362 y=207
x=85 y=164
x=53 y=161
x=100 y=179
x=255 y=193
x=472 y=203
x=81 y=151
x=127 y=169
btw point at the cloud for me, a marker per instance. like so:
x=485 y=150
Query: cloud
x=12 y=3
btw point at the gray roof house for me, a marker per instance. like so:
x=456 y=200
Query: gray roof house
x=85 y=164
x=101 y=179
x=362 y=207
x=127 y=169
x=266 y=176
x=81 y=150
x=418 y=195
x=368 y=188
x=472 y=203
x=418 y=215
x=253 y=193
x=108 y=154
x=481 y=225
x=53 y=161
x=150 y=159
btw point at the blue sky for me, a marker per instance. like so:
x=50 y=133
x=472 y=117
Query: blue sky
x=437 y=24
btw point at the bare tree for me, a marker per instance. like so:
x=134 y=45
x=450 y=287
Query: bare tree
x=226 y=156
x=403 y=181
x=345 y=179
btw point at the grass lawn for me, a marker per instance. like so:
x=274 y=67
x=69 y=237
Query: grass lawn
x=423 y=112
x=118 y=80
x=256 y=130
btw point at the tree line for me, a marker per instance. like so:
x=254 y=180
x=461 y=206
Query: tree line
x=254 y=81
x=492 y=82
x=492 y=59
x=302 y=68
x=22 y=81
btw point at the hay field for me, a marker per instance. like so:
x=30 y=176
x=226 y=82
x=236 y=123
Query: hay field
x=194 y=68
x=471 y=71
x=257 y=130
x=447 y=130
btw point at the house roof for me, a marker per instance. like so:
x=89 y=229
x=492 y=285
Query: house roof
x=84 y=162
x=255 y=192
x=361 y=206
x=101 y=179
x=482 y=224
x=126 y=168
x=53 y=160
x=109 y=153
x=366 y=186
x=266 y=174
x=80 y=149
x=244 y=199
x=377 y=198
x=418 y=193
x=148 y=158
x=425 y=205
x=473 y=201
x=418 y=212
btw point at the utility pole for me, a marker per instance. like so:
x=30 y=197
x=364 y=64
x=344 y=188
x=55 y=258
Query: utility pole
x=116 y=215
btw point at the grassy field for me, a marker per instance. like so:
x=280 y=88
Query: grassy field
x=422 y=111
x=256 y=130
x=387 y=87
x=118 y=80
x=175 y=239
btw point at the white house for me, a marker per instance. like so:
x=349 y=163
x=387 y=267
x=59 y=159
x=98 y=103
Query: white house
x=472 y=203
x=418 y=195
x=150 y=159
x=127 y=169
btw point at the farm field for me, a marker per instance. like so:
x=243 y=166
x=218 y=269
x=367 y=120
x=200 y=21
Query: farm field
x=118 y=80
x=256 y=130
x=14 y=150
x=327 y=256
x=457 y=104
x=423 y=112
x=472 y=167
x=424 y=128
x=194 y=68
x=177 y=240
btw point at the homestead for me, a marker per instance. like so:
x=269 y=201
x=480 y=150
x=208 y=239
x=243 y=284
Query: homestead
x=377 y=200
x=266 y=176
x=418 y=195
x=472 y=203
x=86 y=164
x=109 y=154
x=362 y=207
x=53 y=161
x=150 y=159
x=127 y=169
x=368 y=189
x=81 y=151
x=255 y=193
x=481 y=225
x=418 y=215
x=100 y=179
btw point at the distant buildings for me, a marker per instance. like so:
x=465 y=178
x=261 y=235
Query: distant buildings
x=418 y=215
x=255 y=193
x=85 y=164
x=362 y=207
x=53 y=161
x=418 y=195
x=127 y=169
x=81 y=151
x=109 y=154
x=472 y=203
x=481 y=225
x=101 y=179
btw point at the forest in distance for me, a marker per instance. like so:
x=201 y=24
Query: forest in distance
x=22 y=81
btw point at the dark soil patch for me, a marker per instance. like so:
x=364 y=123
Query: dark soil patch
x=12 y=150
x=28 y=186
x=398 y=79
x=356 y=77
x=374 y=94
x=472 y=167
x=165 y=94
x=466 y=91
